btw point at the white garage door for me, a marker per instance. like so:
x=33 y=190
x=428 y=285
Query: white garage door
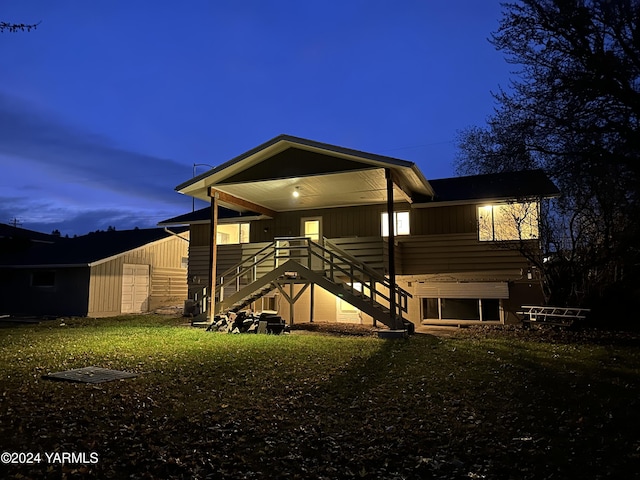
x=135 y=288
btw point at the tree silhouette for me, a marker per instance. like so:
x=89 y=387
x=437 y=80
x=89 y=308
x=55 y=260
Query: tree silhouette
x=573 y=109
x=17 y=27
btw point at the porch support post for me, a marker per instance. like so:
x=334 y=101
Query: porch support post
x=292 y=304
x=312 y=302
x=392 y=259
x=213 y=252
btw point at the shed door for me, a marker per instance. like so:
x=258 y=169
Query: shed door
x=135 y=288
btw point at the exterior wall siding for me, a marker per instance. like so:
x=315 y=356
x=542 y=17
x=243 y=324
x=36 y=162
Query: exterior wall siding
x=362 y=221
x=454 y=219
x=451 y=253
x=168 y=282
x=68 y=297
x=443 y=245
x=368 y=250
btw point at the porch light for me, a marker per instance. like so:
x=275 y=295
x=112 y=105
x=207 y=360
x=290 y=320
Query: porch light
x=296 y=193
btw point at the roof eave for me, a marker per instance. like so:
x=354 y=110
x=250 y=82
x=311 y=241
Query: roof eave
x=281 y=143
x=476 y=201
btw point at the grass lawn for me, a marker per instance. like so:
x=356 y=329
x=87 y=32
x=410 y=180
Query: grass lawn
x=488 y=404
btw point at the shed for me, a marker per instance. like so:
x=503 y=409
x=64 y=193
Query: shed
x=97 y=275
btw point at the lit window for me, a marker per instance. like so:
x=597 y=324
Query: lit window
x=232 y=233
x=513 y=221
x=401 y=221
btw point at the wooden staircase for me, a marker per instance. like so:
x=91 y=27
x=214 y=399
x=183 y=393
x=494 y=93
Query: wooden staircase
x=300 y=260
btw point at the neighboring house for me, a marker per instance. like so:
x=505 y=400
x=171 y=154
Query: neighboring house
x=11 y=238
x=303 y=228
x=97 y=275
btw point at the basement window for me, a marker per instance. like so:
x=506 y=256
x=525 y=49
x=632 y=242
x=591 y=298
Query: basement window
x=43 y=279
x=401 y=223
x=478 y=309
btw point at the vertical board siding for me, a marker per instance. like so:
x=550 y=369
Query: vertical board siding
x=105 y=292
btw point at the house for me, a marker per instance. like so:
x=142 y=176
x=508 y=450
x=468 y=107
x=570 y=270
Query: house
x=319 y=232
x=97 y=275
x=12 y=237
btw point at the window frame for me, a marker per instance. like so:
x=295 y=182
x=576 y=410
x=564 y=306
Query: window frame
x=240 y=234
x=384 y=224
x=440 y=318
x=532 y=225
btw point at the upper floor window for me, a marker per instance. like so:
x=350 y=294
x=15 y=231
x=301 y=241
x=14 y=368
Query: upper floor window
x=232 y=233
x=512 y=221
x=401 y=222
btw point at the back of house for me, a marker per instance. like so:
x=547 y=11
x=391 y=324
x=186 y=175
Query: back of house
x=303 y=228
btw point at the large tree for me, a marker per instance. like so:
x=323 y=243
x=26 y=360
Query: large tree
x=572 y=108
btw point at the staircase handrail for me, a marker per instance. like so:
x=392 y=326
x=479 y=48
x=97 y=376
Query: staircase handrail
x=373 y=276
x=365 y=273
x=351 y=257
x=237 y=265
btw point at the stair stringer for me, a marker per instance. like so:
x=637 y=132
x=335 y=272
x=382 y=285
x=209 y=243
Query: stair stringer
x=377 y=311
x=254 y=287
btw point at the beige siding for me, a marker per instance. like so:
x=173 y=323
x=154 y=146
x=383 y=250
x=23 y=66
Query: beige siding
x=455 y=253
x=325 y=307
x=165 y=256
x=105 y=289
x=168 y=287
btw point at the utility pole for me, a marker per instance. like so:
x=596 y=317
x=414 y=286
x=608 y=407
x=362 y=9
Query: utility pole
x=15 y=223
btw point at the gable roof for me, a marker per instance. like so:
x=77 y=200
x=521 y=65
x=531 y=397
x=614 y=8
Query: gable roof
x=492 y=187
x=85 y=250
x=324 y=175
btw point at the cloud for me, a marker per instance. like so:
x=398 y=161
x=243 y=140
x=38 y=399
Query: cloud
x=69 y=153
x=46 y=217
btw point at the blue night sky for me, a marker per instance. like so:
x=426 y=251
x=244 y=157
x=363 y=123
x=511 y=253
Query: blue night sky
x=105 y=107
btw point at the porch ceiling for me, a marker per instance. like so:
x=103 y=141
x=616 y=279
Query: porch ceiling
x=323 y=176
x=363 y=187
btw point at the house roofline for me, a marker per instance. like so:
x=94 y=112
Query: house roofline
x=476 y=201
x=292 y=141
x=112 y=257
x=45 y=265
x=222 y=221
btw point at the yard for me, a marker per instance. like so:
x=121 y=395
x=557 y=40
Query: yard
x=492 y=404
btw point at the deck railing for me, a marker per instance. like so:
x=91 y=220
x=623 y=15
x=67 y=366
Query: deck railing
x=333 y=263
